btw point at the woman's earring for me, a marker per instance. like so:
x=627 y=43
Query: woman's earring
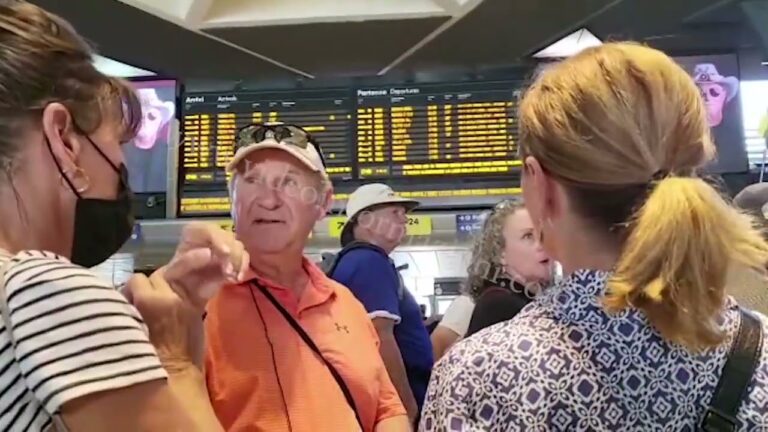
x=78 y=176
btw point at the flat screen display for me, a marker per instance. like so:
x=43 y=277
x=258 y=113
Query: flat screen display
x=436 y=131
x=211 y=121
x=146 y=156
x=443 y=144
x=717 y=77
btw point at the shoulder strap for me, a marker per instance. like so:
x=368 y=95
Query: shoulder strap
x=400 y=286
x=336 y=258
x=308 y=340
x=737 y=373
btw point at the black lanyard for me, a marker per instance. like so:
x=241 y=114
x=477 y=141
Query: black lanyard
x=308 y=340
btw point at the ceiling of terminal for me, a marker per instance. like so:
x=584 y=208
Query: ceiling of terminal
x=275 y=39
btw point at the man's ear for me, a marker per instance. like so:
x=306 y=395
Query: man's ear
x=326 y=202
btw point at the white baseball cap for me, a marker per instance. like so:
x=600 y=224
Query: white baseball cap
x=375 y=194
x=368 y=196
x=299 y=145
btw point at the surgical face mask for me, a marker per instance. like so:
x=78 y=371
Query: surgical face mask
x=102 y=226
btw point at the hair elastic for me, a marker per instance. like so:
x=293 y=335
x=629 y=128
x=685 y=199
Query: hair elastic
x=660 y=175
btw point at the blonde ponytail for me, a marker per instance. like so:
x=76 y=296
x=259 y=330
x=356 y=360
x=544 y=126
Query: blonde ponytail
x=676 y=258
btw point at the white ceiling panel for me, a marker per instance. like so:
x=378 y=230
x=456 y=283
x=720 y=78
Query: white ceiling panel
x=249 y=13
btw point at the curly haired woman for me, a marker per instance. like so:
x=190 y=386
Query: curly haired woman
x=507 y=268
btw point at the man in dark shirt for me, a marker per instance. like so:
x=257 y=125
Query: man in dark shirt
x=375 y=227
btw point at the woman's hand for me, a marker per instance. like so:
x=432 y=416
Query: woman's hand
x=172 y=300
x=207 y=258
x=176 y=331
x=175 y=326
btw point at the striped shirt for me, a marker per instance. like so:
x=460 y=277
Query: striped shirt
x=72 y=335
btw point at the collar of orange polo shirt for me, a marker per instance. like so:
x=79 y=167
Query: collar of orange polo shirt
x=317 y=291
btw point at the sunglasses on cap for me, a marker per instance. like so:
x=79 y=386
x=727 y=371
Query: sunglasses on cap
x=283 y=133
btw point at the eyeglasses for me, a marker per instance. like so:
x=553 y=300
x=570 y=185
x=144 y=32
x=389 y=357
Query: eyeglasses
x=283 y=133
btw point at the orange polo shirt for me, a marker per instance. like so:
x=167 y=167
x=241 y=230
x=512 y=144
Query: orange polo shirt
x=261 y=375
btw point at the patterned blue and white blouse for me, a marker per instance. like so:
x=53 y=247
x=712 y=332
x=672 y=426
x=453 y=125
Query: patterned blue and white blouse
x=564 y=364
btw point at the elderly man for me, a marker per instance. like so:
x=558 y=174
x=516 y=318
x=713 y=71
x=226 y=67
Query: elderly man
x=375 y=227
x=289 y=349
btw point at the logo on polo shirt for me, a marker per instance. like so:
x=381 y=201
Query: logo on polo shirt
x=342 y=328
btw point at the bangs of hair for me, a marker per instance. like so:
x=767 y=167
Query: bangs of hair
x=130 y=109
x=121 y=104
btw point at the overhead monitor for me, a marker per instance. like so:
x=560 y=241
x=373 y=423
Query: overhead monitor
x=717 y=77
x=146 y=156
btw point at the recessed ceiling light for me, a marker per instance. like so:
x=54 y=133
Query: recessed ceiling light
x=570 y=45
x=110 y=67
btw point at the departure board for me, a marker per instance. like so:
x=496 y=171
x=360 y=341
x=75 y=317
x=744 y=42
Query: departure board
x=446 y=145
x=211 y=121
x=466 y=129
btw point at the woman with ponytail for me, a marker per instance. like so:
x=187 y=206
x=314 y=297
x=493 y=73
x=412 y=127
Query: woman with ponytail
x=637 y=334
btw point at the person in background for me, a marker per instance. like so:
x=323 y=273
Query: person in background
x=288 y=349
x=747 y=286
x=508 y=268
x=753 y=199
x=74 y=354
x=376 y=225
x=636 y=336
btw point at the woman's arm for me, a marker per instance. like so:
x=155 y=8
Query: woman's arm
x=394 y=424
x=84 y=353
x=151 y=406
x=452 y=326
x=171 y=303
x=442 y=339
x=180 y=403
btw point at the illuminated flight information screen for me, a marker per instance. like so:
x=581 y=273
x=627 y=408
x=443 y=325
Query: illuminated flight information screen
x=210 y=124
x=446 y=145
x=466 y=129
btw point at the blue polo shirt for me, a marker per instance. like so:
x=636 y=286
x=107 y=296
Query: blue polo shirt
x=371 y=276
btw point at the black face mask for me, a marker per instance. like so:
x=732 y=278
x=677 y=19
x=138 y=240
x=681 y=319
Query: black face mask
x=102 y=226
